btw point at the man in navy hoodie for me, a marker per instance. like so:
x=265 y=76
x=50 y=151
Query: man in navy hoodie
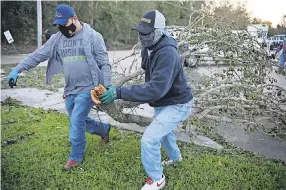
x=165 y=89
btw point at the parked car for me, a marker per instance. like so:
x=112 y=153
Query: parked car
x=275 y=40
x=273 y=43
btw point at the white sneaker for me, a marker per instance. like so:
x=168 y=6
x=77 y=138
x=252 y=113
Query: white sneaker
x=154 y=185
x=168 y=161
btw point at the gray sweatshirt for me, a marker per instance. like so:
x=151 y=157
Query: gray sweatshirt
x=94 y=49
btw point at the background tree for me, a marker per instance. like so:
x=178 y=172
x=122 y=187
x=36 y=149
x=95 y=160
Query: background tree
x=267 y=23
x=283 y=21
x=234 y=13
x=256 y=20
x=19 y=18
x=113 y=19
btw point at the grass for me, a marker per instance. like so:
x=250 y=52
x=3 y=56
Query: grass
x=35 y=146
x=34 y=78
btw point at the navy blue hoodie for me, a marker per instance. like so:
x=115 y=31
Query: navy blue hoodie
x=165 y=81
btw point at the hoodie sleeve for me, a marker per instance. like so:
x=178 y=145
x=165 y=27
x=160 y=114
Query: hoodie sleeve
x=39 y=55
x=160 y=83
x=102 y=58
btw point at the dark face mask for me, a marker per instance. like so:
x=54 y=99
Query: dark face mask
x=68 y=31
x=146 y=40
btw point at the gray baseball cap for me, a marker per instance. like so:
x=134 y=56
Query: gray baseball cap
x=150 y=21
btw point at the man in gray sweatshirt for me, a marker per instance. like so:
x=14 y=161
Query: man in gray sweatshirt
x=79 y=52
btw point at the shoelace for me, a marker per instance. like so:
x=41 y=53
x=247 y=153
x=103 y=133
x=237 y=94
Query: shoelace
x=149 y=181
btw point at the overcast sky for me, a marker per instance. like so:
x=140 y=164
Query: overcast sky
x=271 y=10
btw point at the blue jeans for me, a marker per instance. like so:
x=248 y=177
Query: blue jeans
x=161 y=132
x=282 y=60
x=78 y=107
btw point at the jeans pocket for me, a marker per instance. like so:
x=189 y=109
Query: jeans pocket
x=186 y=114
x=177 y=113
x=187 y=109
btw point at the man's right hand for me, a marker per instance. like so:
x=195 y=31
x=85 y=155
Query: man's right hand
x=12 y=78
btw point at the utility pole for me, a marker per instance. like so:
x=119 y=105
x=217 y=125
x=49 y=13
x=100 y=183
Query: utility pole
x=39 y=22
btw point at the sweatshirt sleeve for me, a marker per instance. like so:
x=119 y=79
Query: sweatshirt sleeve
x=39 y=55
x=102 y=58
x=160 y=83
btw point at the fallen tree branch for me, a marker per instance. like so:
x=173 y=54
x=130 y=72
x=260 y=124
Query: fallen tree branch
x=129 y=77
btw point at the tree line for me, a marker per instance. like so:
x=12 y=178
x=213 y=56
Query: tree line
x=113 y=19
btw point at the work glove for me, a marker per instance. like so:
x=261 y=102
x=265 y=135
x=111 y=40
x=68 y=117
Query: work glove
x=109 y=96
x=96 y=92
x=12 y=78
x=107 y=87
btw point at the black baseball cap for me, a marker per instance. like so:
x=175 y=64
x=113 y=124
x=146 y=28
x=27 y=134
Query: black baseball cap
x=150 y=21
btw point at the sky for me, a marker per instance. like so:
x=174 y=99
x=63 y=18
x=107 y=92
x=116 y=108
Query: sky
x=271 y=10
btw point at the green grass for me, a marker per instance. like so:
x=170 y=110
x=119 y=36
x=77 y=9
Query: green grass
x=34 y=78
x=35 y=146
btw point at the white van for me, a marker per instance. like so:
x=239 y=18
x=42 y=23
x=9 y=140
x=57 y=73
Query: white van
x=259 y=31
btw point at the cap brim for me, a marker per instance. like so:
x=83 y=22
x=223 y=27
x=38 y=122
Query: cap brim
x=144 y=29
x=60 y=21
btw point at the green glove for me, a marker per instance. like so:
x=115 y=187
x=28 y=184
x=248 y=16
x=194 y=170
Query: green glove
x=107 y=87
x=109 y=96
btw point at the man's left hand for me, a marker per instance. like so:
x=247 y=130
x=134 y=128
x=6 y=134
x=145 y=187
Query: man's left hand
x=109 y=96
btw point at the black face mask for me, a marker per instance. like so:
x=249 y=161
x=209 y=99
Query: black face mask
x=68 y=31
